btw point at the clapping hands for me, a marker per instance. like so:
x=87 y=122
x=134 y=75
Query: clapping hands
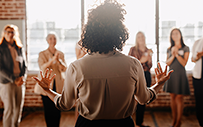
x=19 y=81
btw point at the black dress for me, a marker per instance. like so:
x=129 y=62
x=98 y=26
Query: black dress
x=178 y=82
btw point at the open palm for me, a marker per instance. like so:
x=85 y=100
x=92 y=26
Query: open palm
x=45 y=80
x=162 y=77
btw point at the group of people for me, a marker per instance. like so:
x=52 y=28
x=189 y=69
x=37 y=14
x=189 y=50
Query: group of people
x=177 y=85
x=106 y=86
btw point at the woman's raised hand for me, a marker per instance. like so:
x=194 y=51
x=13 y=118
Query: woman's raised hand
x=162 y=77
x=46 y=79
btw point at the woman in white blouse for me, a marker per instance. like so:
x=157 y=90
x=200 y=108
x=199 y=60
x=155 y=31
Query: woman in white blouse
x=197 y=57
x=105 y=82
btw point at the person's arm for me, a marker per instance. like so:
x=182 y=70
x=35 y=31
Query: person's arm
x=45 y=83
x=4 y=73
x=146 y=95
x=181 y=60
x=198 y=56
x=62 y=63
x=43 y=65
x=149 y=61
x=67 y=98
x=130 y=52
x=169 y=59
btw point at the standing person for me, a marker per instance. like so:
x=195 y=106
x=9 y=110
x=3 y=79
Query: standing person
x=105 y=82
x=197 y=58
x=12 y=75
x=177 y=85
x=52 y=58
x=144 y=55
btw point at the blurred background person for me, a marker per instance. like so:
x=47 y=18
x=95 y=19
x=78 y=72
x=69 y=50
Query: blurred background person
x=197 y=58
x=13 y=73
x=177 y=85
x=79 y=51
x=52 y=58
x=144 y=55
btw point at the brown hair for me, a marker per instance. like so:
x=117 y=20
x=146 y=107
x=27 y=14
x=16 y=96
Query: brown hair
x=172 y=41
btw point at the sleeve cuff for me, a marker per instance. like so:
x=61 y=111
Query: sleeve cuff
x=56 y=99
x=153 y=95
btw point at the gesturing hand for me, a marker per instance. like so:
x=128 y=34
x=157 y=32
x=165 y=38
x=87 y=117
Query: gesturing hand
x=45 y=80
x=162 y=77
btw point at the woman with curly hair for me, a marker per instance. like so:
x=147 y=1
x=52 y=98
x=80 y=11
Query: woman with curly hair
x=105 y=82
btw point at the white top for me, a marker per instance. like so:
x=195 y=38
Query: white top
x=197 y=47
x=105 y=85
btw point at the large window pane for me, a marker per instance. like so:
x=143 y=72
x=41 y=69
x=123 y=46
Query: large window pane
x=62 y=17
x=184 y=14
x=140 y=17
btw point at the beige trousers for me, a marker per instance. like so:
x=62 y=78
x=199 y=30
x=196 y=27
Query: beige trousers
x=13 y=100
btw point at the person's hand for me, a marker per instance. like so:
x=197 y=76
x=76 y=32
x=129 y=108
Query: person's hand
x=174 y=51
x=150 y=52
x=56 y=56
x=199 y=55
x=162 y=77
x=144 y=58
x=45 y=80
x=19 y=81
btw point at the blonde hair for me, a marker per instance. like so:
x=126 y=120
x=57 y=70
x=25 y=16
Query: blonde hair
x=15 y=37
x=136 y=41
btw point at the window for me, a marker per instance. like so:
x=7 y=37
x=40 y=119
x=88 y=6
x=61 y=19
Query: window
x=62 y=17
x=183 y=14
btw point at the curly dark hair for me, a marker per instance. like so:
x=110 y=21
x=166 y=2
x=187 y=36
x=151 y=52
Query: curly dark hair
x=104 y=30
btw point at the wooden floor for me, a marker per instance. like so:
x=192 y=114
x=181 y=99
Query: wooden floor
x=152 y=118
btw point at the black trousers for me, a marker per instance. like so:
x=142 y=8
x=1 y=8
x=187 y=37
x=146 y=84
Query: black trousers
x=198 y=92
x=83 y=122
x=141 y=108
x=51 y=113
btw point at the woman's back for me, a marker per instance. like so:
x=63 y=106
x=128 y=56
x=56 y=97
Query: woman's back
x=106 y=84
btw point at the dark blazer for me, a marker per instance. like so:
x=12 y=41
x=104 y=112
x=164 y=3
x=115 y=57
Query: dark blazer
x=6 y=63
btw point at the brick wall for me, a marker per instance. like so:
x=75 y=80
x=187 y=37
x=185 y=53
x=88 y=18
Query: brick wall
x=12 y=9
x=162 y=101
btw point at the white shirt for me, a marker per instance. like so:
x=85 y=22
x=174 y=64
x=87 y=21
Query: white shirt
x=106 y=86
x=197 y=47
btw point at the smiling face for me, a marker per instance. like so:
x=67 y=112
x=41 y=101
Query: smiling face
x=51 y=39
x=9 y=34
x=175 y=35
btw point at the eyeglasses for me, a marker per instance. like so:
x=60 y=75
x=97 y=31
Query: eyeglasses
x=12 y=32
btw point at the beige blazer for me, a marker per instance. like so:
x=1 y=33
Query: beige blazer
x=44 y=57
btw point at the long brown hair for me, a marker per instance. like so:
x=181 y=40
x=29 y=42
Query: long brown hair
x=16 y=36
x=172 y=41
